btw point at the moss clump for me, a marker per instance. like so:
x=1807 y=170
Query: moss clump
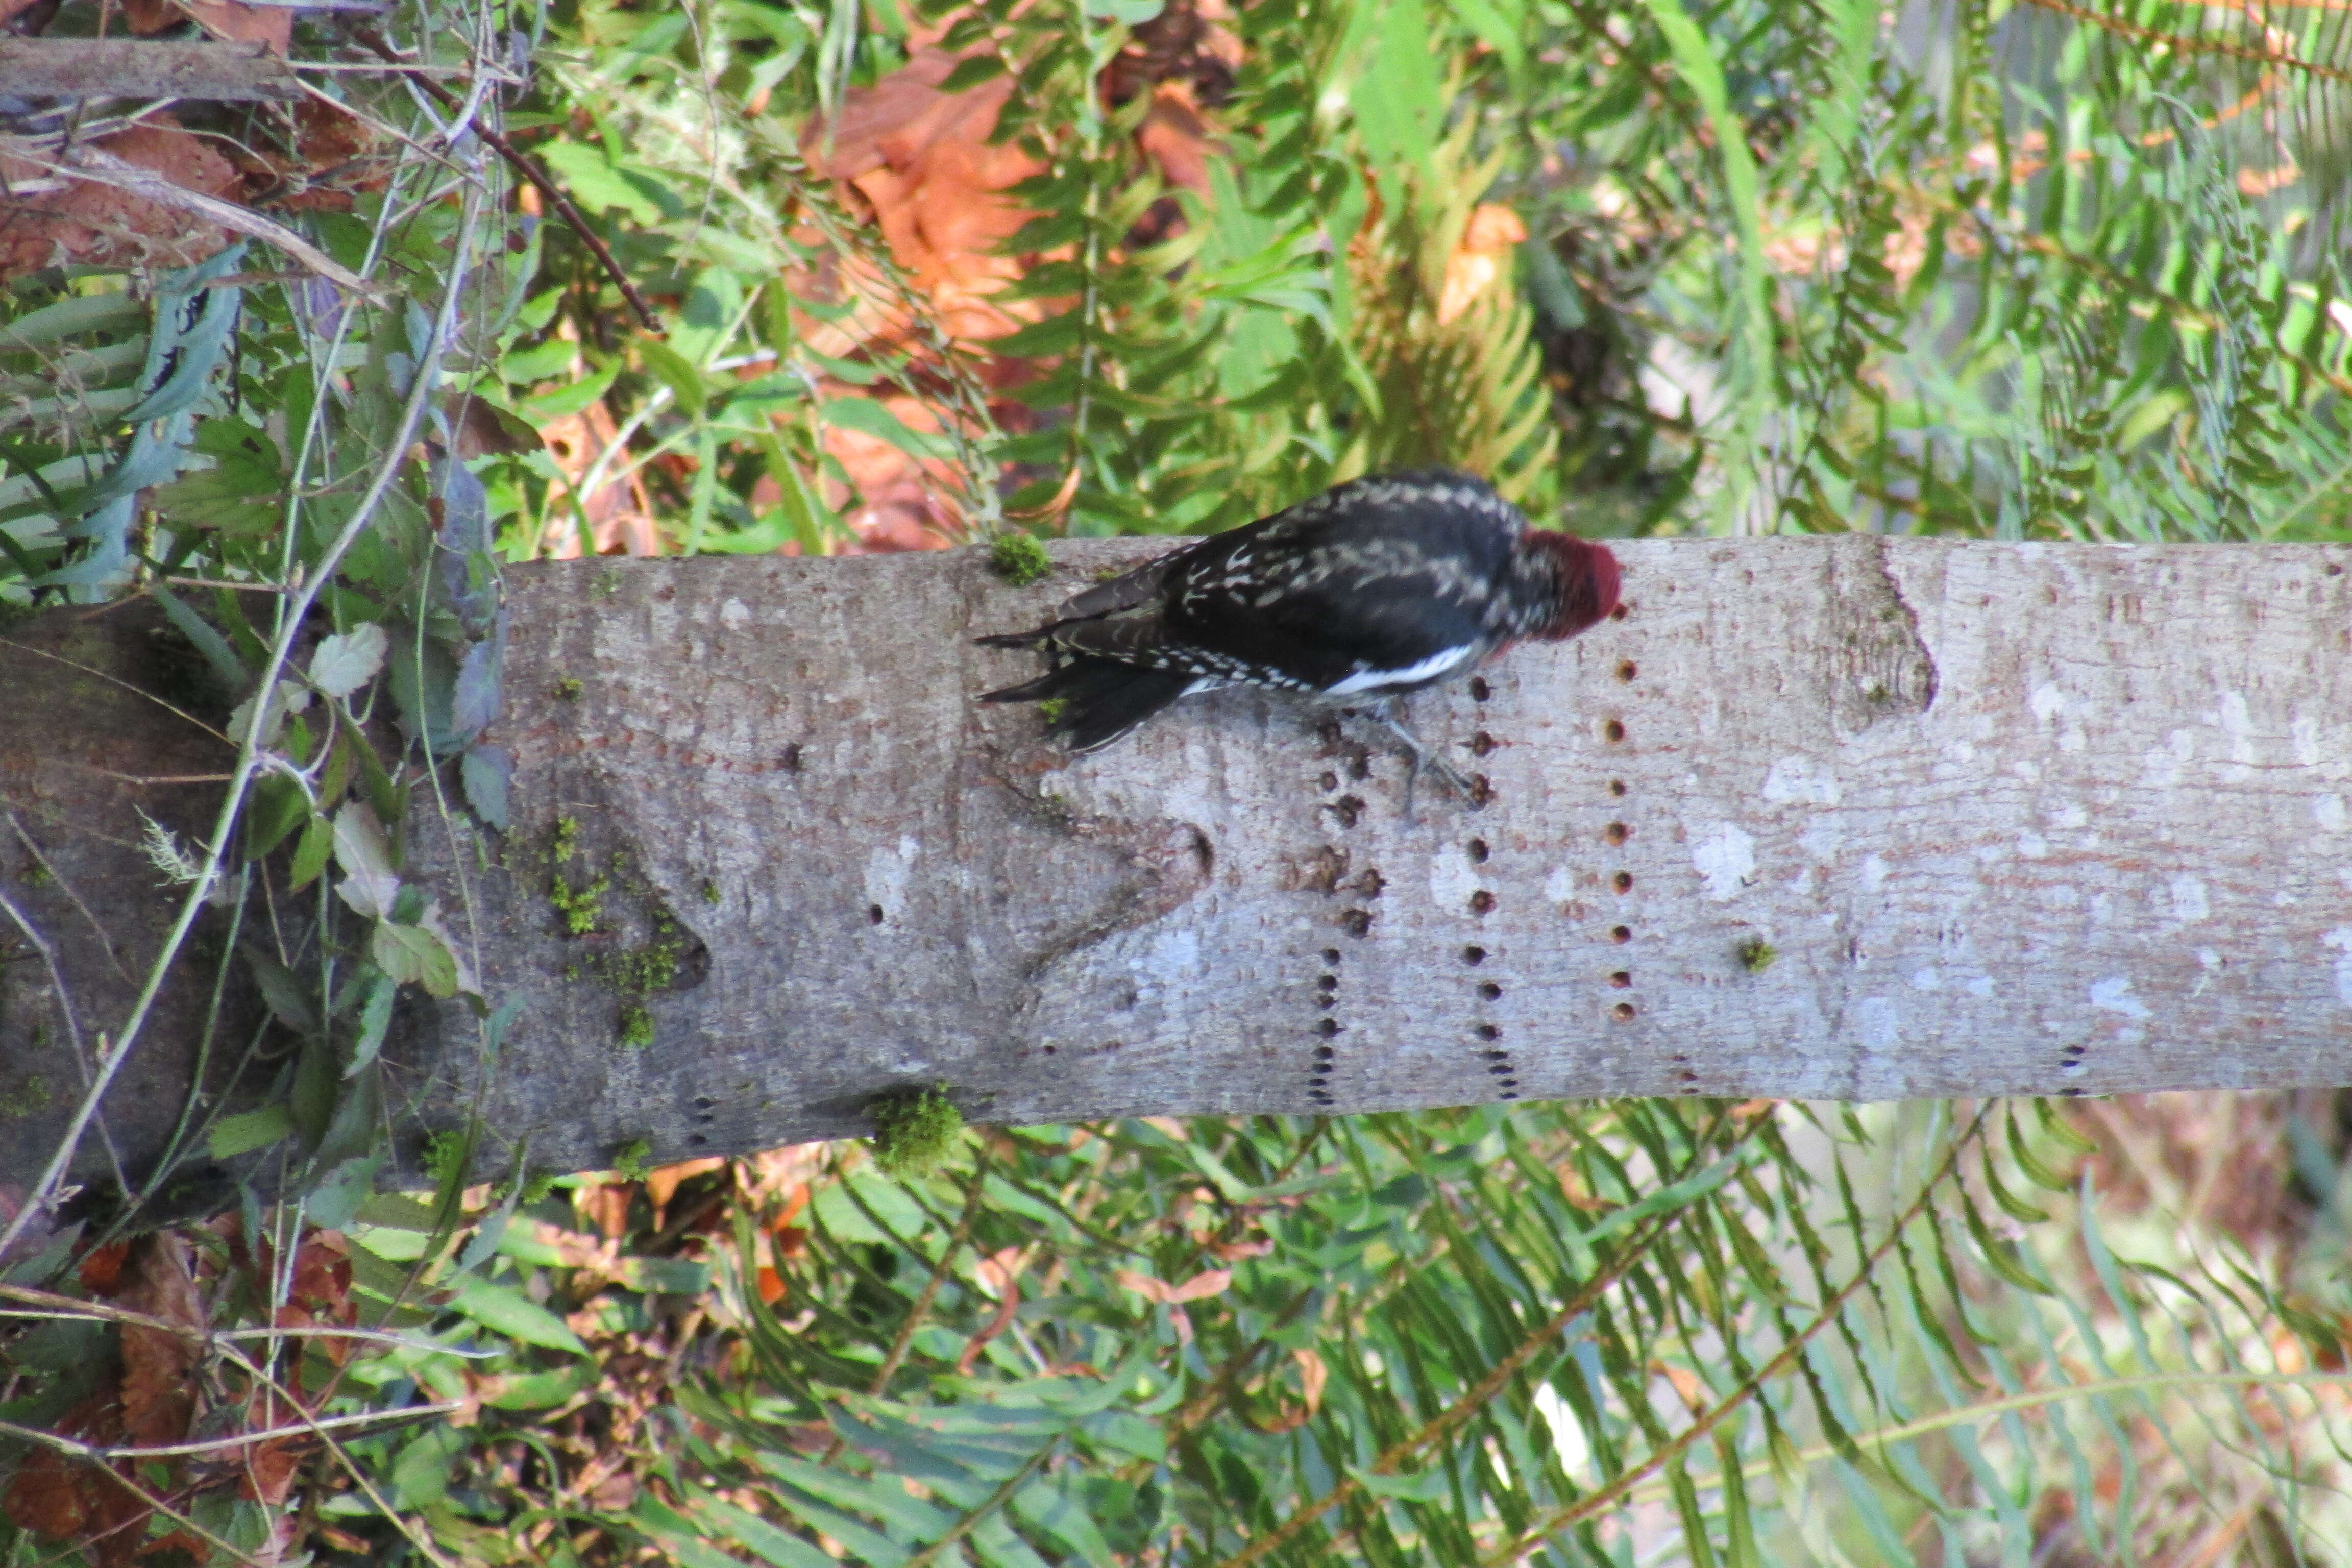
x=634 y=975
x=1019 y=559
x=710 y=894
x=34 y=1096
x=913 y=1133
x=642 y=970
x=442 y=1153
x=568 y=689
x=629 y=1159
x=582 y=906
x=1052 y=709
x=1756 y=954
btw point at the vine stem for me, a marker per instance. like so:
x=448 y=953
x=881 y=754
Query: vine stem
x=248 y=757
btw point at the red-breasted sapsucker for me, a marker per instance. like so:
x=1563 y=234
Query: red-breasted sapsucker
x=1377 y=587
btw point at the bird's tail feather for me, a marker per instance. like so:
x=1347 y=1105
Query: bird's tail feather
x=1100 y=699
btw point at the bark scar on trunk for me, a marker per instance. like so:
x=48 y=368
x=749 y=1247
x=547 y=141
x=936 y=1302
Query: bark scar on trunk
x=1168 y=862
x=1880 y=666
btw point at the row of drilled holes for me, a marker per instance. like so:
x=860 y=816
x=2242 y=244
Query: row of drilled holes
x=1498 y=1062
x=1615 y=834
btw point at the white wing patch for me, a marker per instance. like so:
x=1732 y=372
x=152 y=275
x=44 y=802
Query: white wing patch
x=1429 y=669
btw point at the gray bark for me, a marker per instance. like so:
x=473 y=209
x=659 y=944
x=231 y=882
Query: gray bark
x=2013 y=818
x=144 y=68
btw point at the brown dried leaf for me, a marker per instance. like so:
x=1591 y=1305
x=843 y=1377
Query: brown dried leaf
x=269 y=1470
x=54 y=220
x=323 y=1274
x=908 y=501
x=146 y=16
x=101 y=1269
x=619 y=512
x=1176 y=138
x=49 y=1495
x=57 y=1496
x=242 y=24
x=158 y=1366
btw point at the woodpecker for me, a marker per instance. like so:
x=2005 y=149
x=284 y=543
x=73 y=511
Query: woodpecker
x=1377 y=587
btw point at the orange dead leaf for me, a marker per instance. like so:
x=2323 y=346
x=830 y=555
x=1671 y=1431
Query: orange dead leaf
x=1312 y=1375
x=1480 y=258
x=1685 y=1383
x=771 y=1286
x=604 y=1205
x=1578 y=1196
x=145 y=16
x=907 y=501
x=618 y=512
x=1207 y=1283
x=662 y=1184
x=55 y=1495
x=322 y=1273
x=229 y=19
x=1174 y=136
x=921 y=161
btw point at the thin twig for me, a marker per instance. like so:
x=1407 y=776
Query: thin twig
x=97 y=1454
x=161 y=778
x=34 y=850
x=527 y=167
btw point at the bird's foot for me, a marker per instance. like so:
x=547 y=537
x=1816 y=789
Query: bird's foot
x=1421 y=758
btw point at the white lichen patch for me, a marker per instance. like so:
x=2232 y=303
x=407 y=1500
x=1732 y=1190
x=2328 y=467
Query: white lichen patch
x=1725 y=860
x=886 y=871
x=1801 y=781
x=2113 y=994
x=2340 y=939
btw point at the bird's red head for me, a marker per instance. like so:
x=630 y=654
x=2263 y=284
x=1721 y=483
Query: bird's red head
x=1588 y=582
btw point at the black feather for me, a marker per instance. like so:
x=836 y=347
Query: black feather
x=1101 y=700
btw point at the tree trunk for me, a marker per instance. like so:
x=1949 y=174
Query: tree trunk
x=1858 y=818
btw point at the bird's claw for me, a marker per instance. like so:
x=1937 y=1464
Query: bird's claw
x=1421 y=757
